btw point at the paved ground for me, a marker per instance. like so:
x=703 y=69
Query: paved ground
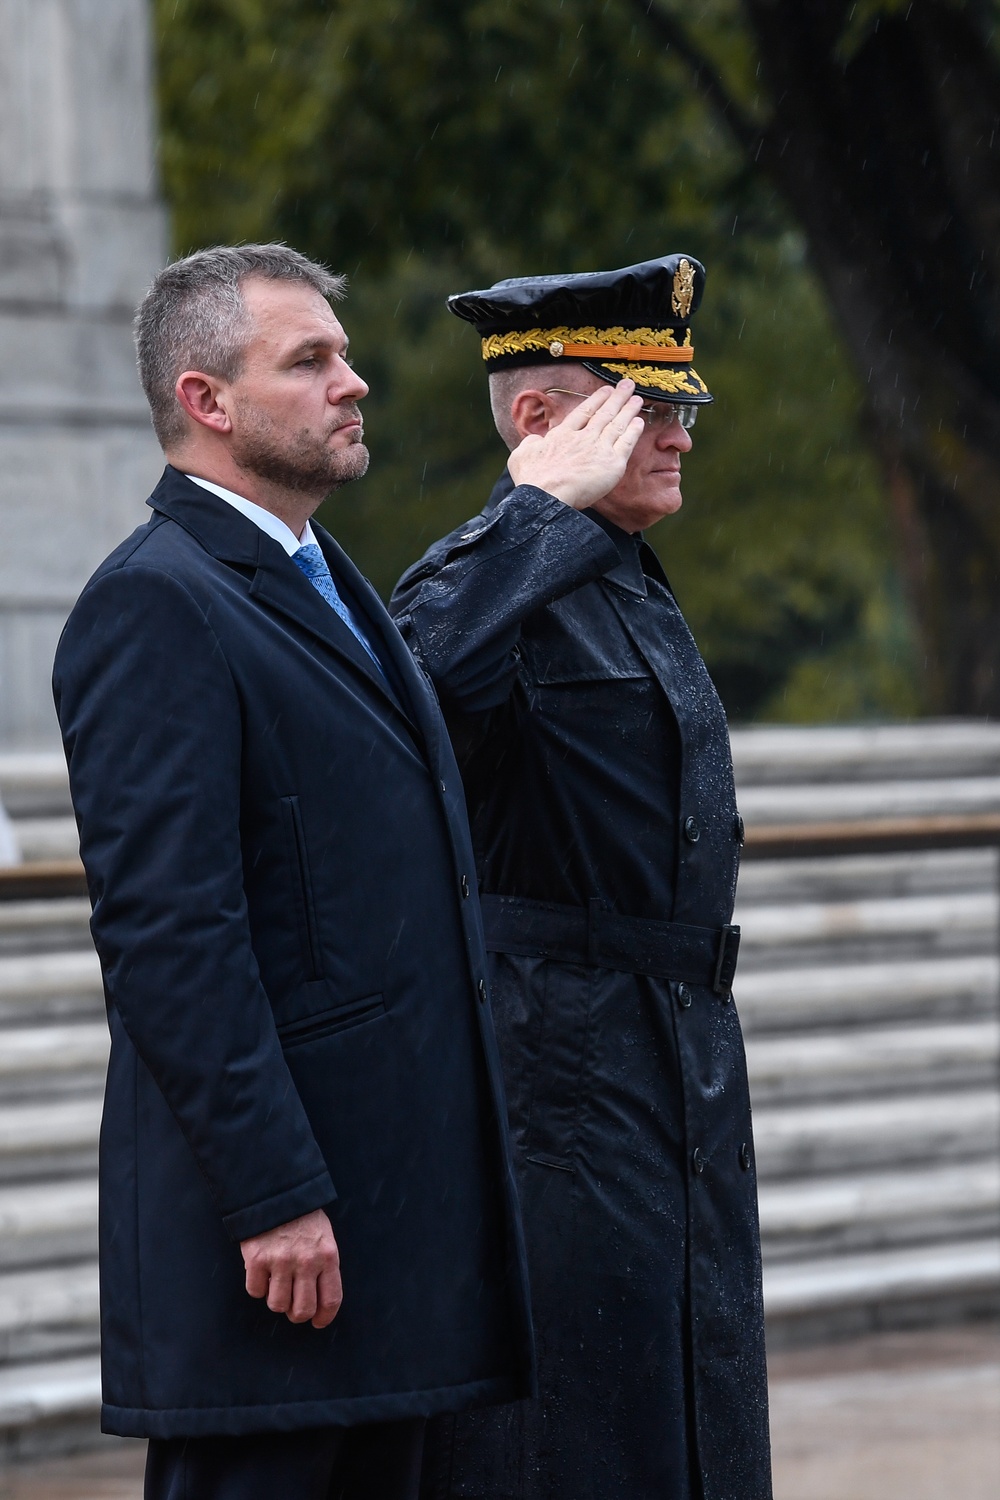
x=907 y=1416
x=912 y=1416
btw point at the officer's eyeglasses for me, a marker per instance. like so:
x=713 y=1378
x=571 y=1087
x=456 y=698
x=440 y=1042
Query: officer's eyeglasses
x=659 y=417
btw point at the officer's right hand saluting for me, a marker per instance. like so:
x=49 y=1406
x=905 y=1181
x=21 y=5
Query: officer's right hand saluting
x=575 y=450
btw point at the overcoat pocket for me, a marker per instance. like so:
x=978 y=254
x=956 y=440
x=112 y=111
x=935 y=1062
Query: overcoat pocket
x=338 y=1018
x=295 y=844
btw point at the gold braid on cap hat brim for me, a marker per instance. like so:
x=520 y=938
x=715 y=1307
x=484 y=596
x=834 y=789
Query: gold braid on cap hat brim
x=658 y=344
x=656 y=378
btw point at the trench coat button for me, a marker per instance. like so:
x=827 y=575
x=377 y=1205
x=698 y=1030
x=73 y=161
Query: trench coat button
x=698 y=1161
x=739 y=830
x=465 y=886
x=692 y=830
x=683 y=996
x=745 y=1156
x=443 y=787
x=482 y=992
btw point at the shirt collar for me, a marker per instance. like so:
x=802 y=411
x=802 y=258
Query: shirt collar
x=265 y=519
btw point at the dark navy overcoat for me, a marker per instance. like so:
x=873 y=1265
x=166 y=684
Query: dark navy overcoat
x=597 y=768
x=279 y=862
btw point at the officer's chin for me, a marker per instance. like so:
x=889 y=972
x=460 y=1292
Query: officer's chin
x=667 y=503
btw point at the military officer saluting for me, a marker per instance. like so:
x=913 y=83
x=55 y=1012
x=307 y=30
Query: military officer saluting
x=596 y=762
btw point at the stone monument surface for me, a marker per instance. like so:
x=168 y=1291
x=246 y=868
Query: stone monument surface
x=81 y=234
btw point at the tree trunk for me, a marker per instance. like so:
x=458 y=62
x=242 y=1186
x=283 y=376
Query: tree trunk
x=889 y=157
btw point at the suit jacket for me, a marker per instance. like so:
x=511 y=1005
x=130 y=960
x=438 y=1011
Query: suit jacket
x=279 y=862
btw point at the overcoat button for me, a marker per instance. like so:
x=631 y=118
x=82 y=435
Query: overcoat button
x=443 y=787
x=698 y=1161
x=465 y=885
x=683 y=996
x=692 y=830
x=482 y=991
x=739 y=831
x=745 y=1156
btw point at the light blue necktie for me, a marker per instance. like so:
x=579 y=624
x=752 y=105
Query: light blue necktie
x=310 y=561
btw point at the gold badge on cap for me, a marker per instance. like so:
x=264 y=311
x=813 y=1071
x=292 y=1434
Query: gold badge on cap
x=683 y=289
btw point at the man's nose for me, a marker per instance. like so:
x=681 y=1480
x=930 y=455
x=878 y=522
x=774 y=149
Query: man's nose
x=350 y=388
x=674 y=436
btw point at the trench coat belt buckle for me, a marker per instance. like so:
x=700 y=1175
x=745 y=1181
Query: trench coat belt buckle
x=601 y=939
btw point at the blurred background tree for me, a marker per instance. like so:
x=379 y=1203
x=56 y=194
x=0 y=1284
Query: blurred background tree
x=426 y=146
x=879 y=123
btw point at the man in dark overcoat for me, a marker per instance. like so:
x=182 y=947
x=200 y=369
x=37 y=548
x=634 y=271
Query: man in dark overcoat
x=304 y=1081
x=596 y=762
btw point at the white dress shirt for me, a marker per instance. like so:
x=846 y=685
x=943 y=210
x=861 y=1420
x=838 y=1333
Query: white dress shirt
x=260 y=517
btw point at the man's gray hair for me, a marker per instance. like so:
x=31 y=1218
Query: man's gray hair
x=194 y=318
x=506 y=384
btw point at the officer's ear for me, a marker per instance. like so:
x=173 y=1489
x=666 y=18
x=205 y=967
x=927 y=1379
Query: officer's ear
x=533 y=412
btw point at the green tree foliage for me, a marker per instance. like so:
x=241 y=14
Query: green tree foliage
x=430 y=145
x=878 y=122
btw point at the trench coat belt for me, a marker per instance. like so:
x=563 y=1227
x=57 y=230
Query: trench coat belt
x=593 y=935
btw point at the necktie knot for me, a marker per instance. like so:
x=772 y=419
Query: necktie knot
x=310 y=560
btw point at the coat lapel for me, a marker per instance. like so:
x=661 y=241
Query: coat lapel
x=280 y=586
x=418 y=698
x=277 y=583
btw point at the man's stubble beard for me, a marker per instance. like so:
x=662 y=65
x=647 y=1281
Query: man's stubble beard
x=299 y=462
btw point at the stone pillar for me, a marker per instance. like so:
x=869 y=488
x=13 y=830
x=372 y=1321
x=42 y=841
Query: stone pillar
x=81 y=233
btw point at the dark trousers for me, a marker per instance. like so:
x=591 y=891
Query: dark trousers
x=380 y=1461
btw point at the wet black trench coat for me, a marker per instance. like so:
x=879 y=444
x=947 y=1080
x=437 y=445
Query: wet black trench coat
x=279 y=859
x=596 y=761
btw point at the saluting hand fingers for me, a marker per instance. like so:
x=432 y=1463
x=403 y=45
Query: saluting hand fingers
x=601 y=407
x=627 y=413
x=626 y=440
x=614 y=411
x=583 y=414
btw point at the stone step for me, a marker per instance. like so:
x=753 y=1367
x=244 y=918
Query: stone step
x=862 y=1135
x=905 y=927
x=785 y=754
x=49 y=985
x=49 y=1139
x=44 y=926
x=932 y=1282
x=851 y=995
x=967 y=913
x=47 y=838
x=858 y=800
x=825 y=1216
x=49 y=1312
x=873 y=1061
x=43 y=1060
x=48 y=1221
x=46 y=1391
x=856 y=877
x=34 y=783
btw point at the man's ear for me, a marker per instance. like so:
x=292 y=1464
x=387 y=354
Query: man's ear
x=531 y=413
x=205 y=399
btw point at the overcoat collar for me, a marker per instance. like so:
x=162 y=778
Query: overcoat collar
x=229 y=536
x=628 y=574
